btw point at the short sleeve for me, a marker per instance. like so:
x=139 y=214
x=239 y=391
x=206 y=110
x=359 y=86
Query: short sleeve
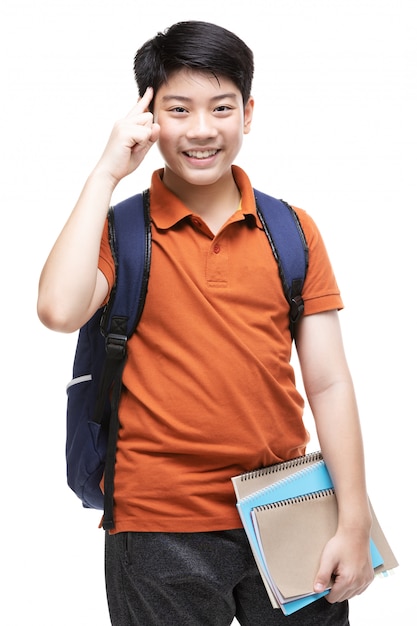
x=105 y=261
x=321 y=292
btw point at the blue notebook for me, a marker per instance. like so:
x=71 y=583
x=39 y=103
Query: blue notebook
x=259 y=514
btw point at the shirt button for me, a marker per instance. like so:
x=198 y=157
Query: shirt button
x=216 y=249
x=196 y=221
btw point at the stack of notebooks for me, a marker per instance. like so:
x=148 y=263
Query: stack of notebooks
x=289 y=512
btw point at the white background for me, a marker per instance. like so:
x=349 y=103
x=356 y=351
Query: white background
x=334 y=132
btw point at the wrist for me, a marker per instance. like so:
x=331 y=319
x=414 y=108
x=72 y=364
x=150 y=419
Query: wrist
x=103 y=178
x=355 y=518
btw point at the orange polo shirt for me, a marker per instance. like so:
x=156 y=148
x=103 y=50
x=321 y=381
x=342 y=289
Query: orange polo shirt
x=209 y=389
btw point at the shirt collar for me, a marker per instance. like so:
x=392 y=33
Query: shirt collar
x=167 y=209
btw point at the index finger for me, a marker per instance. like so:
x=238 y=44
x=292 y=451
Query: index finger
x=146 y=99
x=142 y=104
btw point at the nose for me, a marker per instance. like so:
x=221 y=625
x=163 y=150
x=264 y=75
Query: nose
x=201 y=126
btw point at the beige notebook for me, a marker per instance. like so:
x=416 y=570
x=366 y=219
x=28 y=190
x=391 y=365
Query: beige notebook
x=294 y=532
x=287 y=534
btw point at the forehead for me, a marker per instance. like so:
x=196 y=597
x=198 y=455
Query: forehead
x=192 y=83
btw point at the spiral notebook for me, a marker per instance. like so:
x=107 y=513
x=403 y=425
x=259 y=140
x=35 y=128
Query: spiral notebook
x=289 y=512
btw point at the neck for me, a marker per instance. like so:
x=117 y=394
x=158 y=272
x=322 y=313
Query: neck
x=214 y=203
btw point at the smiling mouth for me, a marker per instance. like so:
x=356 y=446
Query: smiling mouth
x=201 y=154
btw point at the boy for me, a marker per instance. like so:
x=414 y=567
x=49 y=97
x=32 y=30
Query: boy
x=208 y=387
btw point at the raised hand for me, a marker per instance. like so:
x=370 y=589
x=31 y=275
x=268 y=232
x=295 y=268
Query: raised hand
x=131 y=138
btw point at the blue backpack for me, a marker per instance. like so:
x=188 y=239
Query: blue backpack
x=101 y=352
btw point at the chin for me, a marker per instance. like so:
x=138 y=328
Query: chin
x=206 y=176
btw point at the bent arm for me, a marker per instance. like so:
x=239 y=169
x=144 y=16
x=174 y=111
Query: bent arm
x=71 y=288
x=330 y=392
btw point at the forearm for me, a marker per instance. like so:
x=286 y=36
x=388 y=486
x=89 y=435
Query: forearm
x=346 y=559
x=339 y=433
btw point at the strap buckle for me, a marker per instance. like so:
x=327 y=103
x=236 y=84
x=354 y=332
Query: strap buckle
x=116 y=346
x=296 y=308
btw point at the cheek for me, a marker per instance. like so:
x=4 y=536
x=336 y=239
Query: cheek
x=165 y=143
x=167 y=130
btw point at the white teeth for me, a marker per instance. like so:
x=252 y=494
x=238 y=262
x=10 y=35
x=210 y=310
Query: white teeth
x=201 y=154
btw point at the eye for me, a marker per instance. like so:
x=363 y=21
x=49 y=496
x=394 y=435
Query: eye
x=223 y=108
x=178 y=109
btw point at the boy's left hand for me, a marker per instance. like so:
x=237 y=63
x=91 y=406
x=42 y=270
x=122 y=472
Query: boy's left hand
x=345 y=566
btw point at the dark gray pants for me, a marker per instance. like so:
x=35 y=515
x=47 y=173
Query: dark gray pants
x=196 y=579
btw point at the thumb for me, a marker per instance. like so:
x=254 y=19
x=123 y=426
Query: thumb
x=155 y=132
x=323 y=579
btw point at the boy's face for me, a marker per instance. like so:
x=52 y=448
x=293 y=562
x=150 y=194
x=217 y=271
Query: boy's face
x=202 y=122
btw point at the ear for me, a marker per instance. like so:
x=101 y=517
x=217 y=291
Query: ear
x=247 y=115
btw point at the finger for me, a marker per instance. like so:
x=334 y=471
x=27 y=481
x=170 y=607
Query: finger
x=323 y=579
x=142 y=105
x=146 y=99
x=144 y=142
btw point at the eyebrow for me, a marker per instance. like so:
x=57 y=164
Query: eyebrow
x=222 y=96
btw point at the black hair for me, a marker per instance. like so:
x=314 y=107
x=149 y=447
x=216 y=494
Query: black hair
x=197 y=46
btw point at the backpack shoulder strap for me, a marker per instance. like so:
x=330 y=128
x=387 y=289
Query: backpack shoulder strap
x=130 y=240
x=289 y=246
x=129 y=223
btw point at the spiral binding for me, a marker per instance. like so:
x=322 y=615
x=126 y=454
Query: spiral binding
x=315 y=495
x=299 y=461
